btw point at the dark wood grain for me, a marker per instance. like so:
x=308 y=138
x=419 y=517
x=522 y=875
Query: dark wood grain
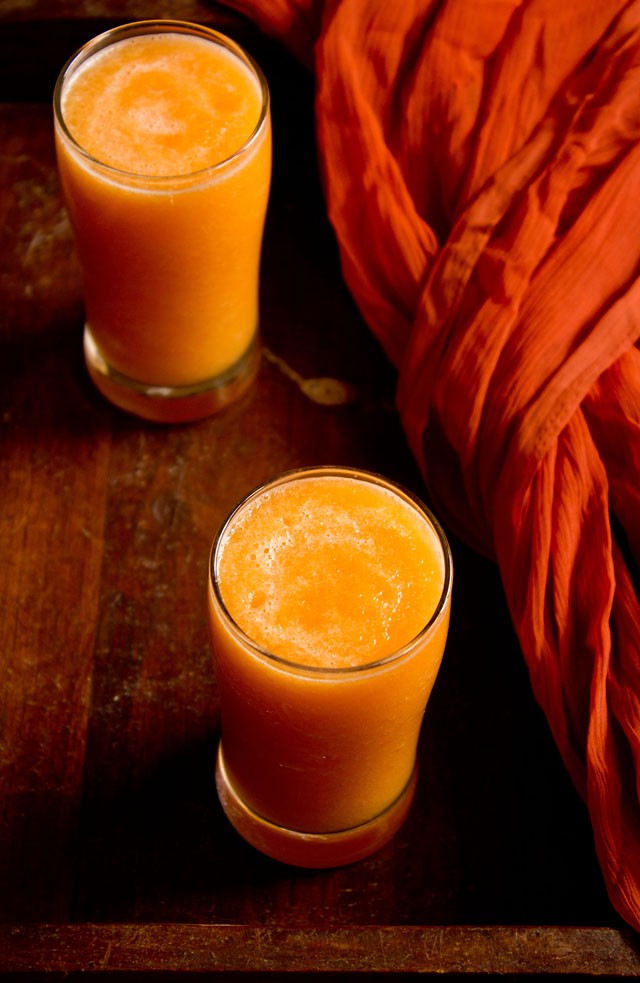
x=234 y=949
x=114 y=854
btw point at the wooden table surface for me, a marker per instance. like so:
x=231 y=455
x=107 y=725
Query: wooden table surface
x=114 y=854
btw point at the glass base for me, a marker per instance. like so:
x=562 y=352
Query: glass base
x=171 y=404
x=310 y=849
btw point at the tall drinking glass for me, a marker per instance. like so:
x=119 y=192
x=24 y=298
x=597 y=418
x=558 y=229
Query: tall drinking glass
x=163 y=141
x=329 y=601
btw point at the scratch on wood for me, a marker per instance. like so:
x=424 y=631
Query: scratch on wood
x=107 y=956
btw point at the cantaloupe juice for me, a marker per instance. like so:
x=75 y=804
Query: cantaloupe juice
x=164 y=153
x=329 y=608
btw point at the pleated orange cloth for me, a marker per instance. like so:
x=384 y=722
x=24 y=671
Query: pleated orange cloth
x=481 y=161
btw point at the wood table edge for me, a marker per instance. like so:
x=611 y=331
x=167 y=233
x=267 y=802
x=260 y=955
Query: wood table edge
x=218 y=949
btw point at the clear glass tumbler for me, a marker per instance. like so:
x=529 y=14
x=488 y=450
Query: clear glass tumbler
x=323 y=692
x=163 y=140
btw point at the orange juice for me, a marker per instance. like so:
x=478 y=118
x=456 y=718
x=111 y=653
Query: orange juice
x=329 y=608
x=164 y=153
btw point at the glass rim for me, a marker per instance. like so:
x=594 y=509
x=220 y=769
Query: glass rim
x=142 y=27
x=361 y=474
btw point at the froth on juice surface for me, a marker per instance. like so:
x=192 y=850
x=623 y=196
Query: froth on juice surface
x=165 y=162
x=331 y=572
x=340 y=586
x=162 y=105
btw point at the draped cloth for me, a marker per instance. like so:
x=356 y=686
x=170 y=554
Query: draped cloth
x=481 y=165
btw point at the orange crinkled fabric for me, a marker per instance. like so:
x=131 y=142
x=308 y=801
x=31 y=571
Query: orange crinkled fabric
x=481 y=161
